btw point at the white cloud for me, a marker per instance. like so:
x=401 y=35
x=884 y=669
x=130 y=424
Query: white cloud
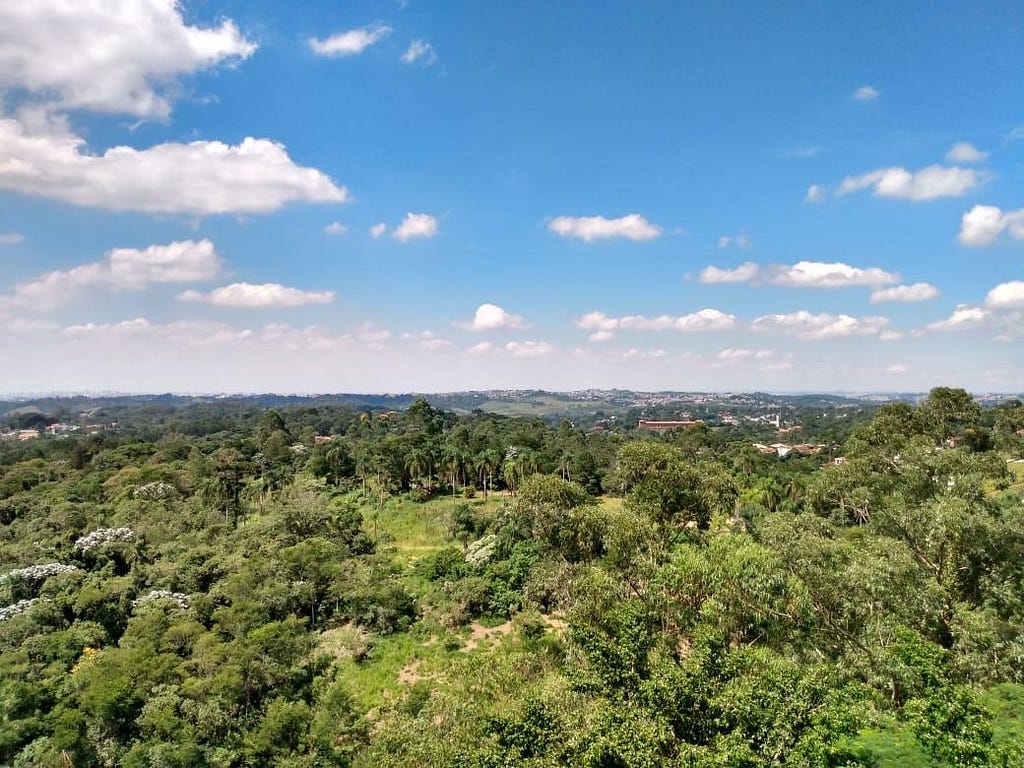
x=378 y=229
x=513 y=349
x=249 y=295
x=744 y=354
x=420 y=50
x=11 y=238
x=120 y=57
x=597 y=321
x=491 y=317
x=926 y=184
x=963 y=317
x=983 y=224
x=914 y=292
x=1008 y=295
x=818 y=274
x=415 y=225
x=703 y=320
x=815 y=194
x=633 y=354
x=807 y=325
x=744 y=273
x=200 y=178
x=590 y=228
x=890 y=335
x=426 y=340
x=349 y=43
x=866 y=93
x=897 y=368
x=601 y=336
x=803 y=274
x=963 y=152
x=124 y=269
x=739 y=241
x=529 y=348
x=335 y=228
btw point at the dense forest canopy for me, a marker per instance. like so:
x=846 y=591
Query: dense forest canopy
x=232 y=584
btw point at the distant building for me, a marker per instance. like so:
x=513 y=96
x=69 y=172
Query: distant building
x=27 y=434
x=665 y=426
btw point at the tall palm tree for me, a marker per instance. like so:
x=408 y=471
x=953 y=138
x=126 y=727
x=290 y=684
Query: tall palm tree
x=417 y=464
x=452 y=459
x=486 y=463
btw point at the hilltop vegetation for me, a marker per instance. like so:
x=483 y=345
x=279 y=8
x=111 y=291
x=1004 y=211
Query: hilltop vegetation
x=313 y=585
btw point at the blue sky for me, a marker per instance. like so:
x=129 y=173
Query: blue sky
x=688 y=196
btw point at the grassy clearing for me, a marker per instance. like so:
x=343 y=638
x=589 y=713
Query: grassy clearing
x=395 y=662
x=416 y=529
x=611 y=503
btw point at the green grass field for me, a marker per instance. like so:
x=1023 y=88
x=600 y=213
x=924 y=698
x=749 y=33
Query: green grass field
x=415 y=529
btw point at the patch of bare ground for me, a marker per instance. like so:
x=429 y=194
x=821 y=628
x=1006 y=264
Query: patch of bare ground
x=479 y=634
x=410 y=673
x=557 y=623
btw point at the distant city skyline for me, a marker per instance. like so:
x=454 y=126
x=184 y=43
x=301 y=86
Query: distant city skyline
x=415 y=196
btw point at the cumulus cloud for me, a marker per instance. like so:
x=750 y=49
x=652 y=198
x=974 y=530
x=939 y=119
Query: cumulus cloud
x=601 y=336
x=378 y=230
x=926 y=184
x=349 y=43
x=415 y=225
x=866 y=93
x=421 y=51
x=819 y=274
x=633 y=354
x=963 y=317
x=1008 y=295
x=590 y=228
x=529 y=348
x=249 y=295
x=963 y=152
x=11 y=238
x=123 y=269
x=744 y=273
x=730 y=355
x=335 y=228
x=983 y=224
x=491 y=317
x=703 y=320
x=914 y=292
x=199 y=178
x=597 y=321
x=803 y=274
x=516 y=349
x=815 y=194
x=118 y=58
x=808 y=325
